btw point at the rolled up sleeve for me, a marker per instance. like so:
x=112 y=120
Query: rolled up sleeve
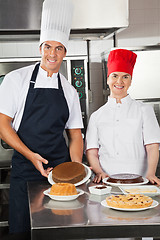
x=92 y=134
x=151 y=129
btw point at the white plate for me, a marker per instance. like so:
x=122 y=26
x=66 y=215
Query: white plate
x=146 y=190
x=145 y=181
x=88 y=175
x=154 y=204
x=63 y=198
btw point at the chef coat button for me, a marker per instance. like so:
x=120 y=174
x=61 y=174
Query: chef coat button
x=117 y=153
x=117 y=120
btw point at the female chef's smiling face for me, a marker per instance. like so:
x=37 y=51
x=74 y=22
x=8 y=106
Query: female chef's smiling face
x=119 y=82
x=52 y=56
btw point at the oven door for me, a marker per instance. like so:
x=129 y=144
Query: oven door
x=6 y=153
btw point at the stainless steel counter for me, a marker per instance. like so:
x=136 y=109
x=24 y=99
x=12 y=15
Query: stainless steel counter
x=86 y=218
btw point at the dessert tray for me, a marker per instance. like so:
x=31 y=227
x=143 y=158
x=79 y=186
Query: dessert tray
x=154 y=204
x=63 y=198
x=88 y=175
x=145 y=181
x=148 y=190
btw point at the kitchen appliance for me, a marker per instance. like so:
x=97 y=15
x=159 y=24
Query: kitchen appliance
x=91 y=19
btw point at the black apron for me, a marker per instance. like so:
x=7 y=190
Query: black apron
x=41 y=130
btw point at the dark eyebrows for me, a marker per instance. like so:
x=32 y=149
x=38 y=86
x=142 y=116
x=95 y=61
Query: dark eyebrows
x=125 y=75
x=114 y=74
x=60 y=47
x=47 y=45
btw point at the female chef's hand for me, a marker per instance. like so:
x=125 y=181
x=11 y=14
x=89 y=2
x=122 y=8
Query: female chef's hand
x=99 y=177
x=153 y=179
x=37 y=161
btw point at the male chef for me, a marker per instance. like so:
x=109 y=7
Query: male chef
x=37 y=104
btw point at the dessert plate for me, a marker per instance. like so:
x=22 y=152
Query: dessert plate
x=63 y=198
x=145 y=181
x=88 y=175
x=154 y=204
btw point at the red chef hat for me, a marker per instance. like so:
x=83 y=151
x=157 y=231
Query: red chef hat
x=121 y=60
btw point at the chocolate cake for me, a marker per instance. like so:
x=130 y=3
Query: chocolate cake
x=68 y=172
x=102 y=187
x=125 y=178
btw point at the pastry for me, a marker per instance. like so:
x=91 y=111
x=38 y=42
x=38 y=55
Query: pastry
x=129 y=201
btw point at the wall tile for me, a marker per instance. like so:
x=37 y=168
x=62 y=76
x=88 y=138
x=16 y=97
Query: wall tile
x=151 y=15
x=143 y=4
x=9 y=49
x=35 y=49
x=24 y=49
x=77 y=47
x=136 y=16
x=1 y=50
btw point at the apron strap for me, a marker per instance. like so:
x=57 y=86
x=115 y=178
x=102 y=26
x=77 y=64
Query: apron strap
x=59 y=83
x=34 y=75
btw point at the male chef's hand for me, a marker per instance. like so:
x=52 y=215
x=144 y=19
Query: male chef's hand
x=99 y=177
x=37 y=161
x=153 y=179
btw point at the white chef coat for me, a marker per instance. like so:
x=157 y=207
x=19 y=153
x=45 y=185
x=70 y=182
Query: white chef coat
x=120 y=132
x=14 y=89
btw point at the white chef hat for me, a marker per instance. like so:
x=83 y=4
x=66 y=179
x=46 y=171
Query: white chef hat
x=56 y=21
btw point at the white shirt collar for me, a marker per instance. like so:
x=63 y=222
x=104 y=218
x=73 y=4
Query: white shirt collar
x=125 y=100
x=44 y=74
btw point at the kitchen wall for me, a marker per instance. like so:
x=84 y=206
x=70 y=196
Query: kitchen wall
x=143 y=30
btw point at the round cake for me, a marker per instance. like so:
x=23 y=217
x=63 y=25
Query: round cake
x=68 y=172
x=129 y=201
x=125 y=178
x=63 y=189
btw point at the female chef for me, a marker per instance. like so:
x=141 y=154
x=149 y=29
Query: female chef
x=123 y=135
x=38 y=104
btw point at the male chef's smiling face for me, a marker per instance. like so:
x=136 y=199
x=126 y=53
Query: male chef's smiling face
x=52 y=56
x=119 y=82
